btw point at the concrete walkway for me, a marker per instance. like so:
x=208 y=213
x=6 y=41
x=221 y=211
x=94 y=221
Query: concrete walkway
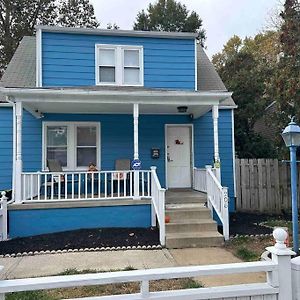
x=43 y=265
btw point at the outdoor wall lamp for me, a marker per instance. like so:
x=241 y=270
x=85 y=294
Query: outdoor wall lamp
x=291 y=137
x=182 y=109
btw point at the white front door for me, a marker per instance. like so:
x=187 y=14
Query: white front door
x=178 y=156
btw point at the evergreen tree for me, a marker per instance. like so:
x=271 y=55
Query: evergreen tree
x=169 y=15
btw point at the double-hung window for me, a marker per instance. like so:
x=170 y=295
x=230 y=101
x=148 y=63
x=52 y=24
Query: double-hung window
x=119 y=65
x=74 y=145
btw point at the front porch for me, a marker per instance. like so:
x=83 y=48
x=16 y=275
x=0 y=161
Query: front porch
x=130 y=125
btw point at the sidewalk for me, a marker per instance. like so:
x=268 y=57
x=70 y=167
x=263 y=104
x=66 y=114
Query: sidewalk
x=43 y=265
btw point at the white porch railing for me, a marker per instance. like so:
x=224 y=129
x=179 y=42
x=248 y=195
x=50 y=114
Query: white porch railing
x=277 y=287
x=104 y=185
x=3 y=217
x=158 y=205
x=82 y=185
x=205 y=180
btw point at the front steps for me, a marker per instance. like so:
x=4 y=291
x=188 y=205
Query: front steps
x=191 y=224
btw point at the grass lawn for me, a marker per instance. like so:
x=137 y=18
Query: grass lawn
x=249 y=248
x=103 y=290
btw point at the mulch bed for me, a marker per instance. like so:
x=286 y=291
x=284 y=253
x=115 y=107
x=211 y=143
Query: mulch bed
x=83 y=238
x=248 y=224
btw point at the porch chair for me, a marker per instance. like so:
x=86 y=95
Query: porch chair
x=55 y=166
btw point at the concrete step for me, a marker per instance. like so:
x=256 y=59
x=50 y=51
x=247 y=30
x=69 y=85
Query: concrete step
x=189 y=206
x=194 y=239
x=182 y=196
x=191 y=226
x=183 y=200
x=187 y=214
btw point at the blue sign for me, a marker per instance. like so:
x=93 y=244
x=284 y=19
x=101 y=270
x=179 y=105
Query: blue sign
x=136 y=164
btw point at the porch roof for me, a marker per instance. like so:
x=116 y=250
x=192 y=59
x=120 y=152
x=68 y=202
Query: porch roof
x=107 y=99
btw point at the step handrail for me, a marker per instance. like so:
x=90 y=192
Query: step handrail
x=158 y=205
x=217 y=199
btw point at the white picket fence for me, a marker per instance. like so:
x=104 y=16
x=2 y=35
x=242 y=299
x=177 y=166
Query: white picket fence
x=3 y=217
x=280 y=271
x=205 y=180
x=83 y=185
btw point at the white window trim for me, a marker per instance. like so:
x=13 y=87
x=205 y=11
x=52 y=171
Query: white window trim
x=71 y=144
x=119 y=63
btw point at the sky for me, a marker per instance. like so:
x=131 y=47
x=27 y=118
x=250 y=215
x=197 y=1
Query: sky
x=221 y=18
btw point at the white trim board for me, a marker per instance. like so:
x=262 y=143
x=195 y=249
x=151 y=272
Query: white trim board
x=191 y=126
x=39 y=58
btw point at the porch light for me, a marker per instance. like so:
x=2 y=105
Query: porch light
x=182 y=109
x=291 y=137
x=291 y=134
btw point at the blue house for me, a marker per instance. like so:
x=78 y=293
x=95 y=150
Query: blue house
x=99 y=127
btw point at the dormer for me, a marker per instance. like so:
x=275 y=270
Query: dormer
x=96 y=57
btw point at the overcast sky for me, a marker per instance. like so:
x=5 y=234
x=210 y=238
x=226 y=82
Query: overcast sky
x=221 y=18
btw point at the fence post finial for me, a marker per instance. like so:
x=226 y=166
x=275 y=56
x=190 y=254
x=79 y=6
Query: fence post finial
x=3 y=196
x=281 y=255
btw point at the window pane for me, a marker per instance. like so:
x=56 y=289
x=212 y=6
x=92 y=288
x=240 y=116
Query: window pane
x=57 y=135
x=58 y=153
x=131 y=58
x=86 y=136
x=107 y=57
x=86 y=156
x=107 y=74
x=131 y=75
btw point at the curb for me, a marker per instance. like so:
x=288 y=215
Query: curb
x=97 y=249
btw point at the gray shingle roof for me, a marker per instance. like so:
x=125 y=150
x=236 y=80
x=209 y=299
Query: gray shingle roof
x=20 y=71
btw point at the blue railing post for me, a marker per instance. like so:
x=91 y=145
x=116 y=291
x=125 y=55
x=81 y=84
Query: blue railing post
x=294 y=198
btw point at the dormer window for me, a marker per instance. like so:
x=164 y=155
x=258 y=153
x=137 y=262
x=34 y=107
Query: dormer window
x=119 y=65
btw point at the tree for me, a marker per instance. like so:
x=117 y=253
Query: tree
x=169 y=15
x=14 y=25
x=77 y=13
x=112 y=26
x=285 y=84
x=245 y=66
x=19 y=18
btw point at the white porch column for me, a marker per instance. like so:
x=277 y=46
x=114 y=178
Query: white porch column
x=215 y=116
x=18 y=151
x=136 y=147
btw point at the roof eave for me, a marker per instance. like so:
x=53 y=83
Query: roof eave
x=114 y=32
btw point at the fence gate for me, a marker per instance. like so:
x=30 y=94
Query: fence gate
x=263 y=185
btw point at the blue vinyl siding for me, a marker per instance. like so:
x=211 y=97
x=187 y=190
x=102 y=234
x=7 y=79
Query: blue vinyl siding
x=31 y=145
x=117 y=137
x=204 y=147
x=6 y=153
x=40 y=221
x=69 y=60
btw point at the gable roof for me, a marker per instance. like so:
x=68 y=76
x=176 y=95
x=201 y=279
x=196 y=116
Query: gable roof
x=21 y=71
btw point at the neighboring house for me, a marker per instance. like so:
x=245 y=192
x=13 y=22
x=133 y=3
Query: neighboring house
x=263 y=127
x=76 y=96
